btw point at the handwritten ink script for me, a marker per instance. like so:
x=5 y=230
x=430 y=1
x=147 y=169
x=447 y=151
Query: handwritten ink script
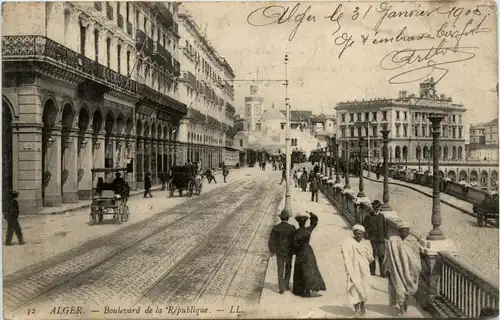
x=432 y=35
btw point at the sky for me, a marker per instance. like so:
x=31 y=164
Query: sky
x=457 y=45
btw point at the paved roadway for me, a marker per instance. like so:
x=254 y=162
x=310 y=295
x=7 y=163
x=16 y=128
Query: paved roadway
x=205 y=251
x=476 y=246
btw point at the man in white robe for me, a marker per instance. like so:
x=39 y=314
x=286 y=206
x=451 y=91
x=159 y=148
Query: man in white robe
x=403 y=266
x=358 y=255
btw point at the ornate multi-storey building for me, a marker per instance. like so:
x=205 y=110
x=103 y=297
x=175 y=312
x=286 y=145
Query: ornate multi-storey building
x=406 y=117
x=207 y=90
x=87 y=85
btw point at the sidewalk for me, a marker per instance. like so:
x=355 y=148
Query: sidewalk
x=48 y=235
x=464 y=206
x=326 y=240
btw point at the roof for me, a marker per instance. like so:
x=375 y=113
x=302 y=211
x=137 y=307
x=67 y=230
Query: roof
x=299 y=115
x=273 y=114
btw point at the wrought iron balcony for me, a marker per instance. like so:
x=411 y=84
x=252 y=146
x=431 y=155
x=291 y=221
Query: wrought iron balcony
x=175 y=28
x=120 y=21
x=143 y=42
x=190 y=78
x=109 y=11
x=161 y=55
x=129 y=27
x=40 y=49
x=98 y=5
x=177 y=68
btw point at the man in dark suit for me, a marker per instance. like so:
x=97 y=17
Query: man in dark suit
x=280 y=244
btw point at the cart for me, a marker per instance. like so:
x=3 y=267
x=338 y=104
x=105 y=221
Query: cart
x=110 y=198
x=184 y=178
x=487 y=211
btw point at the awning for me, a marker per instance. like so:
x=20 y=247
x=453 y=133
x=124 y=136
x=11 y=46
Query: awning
x=235 y=149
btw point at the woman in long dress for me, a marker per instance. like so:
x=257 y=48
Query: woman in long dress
x=306 y=275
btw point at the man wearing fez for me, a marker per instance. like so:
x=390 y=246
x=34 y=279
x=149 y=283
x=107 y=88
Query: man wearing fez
x=280 y=244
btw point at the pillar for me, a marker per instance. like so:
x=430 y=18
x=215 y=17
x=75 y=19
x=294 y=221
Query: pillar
x=27 y=170
x=386 y=208
x=361 y=193
x=347 y=186
x=99 y=144
x=70 y=168
x=139 y=163
x=85 y=166
x=52 y=171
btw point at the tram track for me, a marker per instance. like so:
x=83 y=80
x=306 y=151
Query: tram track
x=190 y=278
x=126 y=274
x=25 y=286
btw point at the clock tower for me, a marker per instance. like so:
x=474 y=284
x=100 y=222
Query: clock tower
x=253 y=108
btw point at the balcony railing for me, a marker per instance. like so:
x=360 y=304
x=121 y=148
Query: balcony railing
x=98 y=5
x=120 y=21
x=129 y=27
x=190 y=78
x=143 y=42
x=109 y=11
x=161 y=55
x=40 y=48
x=164 y=15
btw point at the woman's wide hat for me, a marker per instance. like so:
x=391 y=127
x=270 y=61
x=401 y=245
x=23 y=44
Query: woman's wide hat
x=301 y=216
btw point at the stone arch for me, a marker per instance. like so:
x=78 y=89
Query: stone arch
x=109 y=123
x=405 y=152
x=445 y=152
x=50 y=103
x=83 y=120
x=397 y=152
x=418 y=152
x=97 y=121
x=463 y=175
x=494 y=179
x=473 y=176
x=138 y=128
x=120 y=124
x=7 y=148
x=7 y=104
x=129 y=127
x=484 y=179
x=452 y=175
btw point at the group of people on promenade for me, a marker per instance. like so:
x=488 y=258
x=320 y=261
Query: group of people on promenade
x=397 y=256
x=286 y=241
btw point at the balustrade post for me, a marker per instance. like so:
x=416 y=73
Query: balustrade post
x=361 y=194
x=347 y=186
x=386 y=208
x=337 y=161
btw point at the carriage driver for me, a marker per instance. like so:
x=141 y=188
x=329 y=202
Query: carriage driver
x=118 y=183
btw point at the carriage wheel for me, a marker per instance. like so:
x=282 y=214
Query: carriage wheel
x=126 y=212
x=101 y=217
x=199 y=188
x=119 y=214
x=190 y=189
x=480 y=222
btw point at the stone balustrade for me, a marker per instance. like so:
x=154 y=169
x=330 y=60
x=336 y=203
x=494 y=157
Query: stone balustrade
x=448 y=287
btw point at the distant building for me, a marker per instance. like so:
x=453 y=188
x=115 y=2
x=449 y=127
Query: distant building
x=407 y=119
x=323 y=126
x=253 y=108
x=483 y=141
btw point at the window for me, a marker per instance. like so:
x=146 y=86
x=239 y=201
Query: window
x=454 y=118
x=384 y=115
x=351 y=116
x=241 y=142
x=352 y=132
x=96 y=45
x=459 y=133
x=367 y=116
x=359 y=116
x=282 y=126
x=454 y=133
x=374 y=115
x=374 y=131
x=423 y=130
x=397 y=131
x=416 y=131
x=127 y=11
x=367 y=133
x=118 y=58
x=117 y=7
x=108 y=52
x=359 y=132
x=128 y=63
x=405 y=132
x=83 y=38
x=145 y=24
x=406 y=115
x=397 y=115
x=137 y=13
x=342 y=132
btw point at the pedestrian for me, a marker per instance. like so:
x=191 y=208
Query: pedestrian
x=376 y=232
x=225 y=173
x=378 y=170
x=12 y=216
x=283 y=175
x=210 y=176
x=147 y=185
x=298 y=173
x=314 y=187
x=280 y=244
x=303 y=180
x=402 y=266
x=357 y=256
x=306 y=275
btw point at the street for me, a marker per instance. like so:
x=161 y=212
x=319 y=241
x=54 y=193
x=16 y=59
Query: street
x=206 y=250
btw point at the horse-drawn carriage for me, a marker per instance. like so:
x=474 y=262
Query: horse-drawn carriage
x=185 y=178
x=487 y=211
x=110 y=198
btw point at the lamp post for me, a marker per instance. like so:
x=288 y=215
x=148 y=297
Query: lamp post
x=337 y=160
x=436 y=233
x=325 y=161
x=330 y=148
x=385 y=197
x=320 y=158
x=288 y=204
x=361 y=193
x=347 y=186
